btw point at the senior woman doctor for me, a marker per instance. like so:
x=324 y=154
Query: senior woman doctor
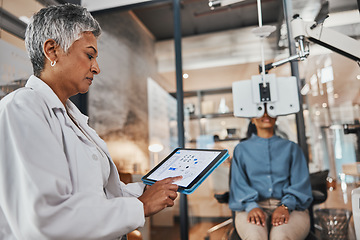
x=57 y=180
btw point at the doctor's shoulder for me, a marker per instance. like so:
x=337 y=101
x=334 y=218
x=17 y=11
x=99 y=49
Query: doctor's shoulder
x=21 y=98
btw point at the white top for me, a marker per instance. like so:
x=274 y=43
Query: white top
x=51 y=182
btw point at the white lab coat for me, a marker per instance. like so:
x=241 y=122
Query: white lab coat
x=51 y=184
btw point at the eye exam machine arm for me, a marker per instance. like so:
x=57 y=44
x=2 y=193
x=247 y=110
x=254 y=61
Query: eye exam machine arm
x=344 y=45
x=305 y=32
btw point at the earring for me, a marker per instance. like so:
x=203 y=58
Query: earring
x=53 y=63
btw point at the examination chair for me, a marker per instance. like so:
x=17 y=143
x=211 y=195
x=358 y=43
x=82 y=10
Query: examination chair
x=319 y=192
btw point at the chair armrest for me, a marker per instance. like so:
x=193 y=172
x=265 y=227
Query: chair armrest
x=222 y=198
x=318 y=197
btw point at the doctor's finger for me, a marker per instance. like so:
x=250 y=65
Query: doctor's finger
x=164 y=185
x=171 y=179
x=173 y=195
x=172 y=187
x=170 y=203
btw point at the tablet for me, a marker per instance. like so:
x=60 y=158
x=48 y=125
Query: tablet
x=194 y=165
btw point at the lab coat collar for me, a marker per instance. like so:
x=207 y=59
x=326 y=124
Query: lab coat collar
x=39 y=85
x=53 y=100
x=75 y=112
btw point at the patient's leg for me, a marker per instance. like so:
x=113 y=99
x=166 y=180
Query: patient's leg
x=249 y=231
x=297 y=228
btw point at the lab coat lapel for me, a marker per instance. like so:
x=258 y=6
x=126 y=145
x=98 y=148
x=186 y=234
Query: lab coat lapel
x=78 y=132
x=113 y=188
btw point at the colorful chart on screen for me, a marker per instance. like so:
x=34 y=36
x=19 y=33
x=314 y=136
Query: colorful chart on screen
x=194 y=165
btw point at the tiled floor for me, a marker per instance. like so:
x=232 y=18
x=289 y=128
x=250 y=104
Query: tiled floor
x=336 y=199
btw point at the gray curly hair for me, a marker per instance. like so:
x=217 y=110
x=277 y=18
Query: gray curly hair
x=63 y=23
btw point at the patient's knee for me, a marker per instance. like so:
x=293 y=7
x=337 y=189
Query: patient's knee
x=287 y=233
x=280 y=235
x=253 y=234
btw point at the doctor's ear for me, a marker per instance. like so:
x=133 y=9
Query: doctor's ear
x=50 y=49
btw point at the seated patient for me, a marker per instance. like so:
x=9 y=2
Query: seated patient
x=270 y=188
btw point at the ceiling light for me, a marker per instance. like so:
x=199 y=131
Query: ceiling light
x=358 y=77
x=324 y=105
x=220 y=3
x=185 y=76
x=156 y=147
x=215 y=3
x=327 y=74
x=305 y=90
x=203 y=120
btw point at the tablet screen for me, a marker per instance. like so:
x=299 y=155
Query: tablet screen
x=191 y=164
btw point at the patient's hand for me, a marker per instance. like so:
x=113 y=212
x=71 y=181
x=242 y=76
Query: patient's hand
x=257 y=216
x=280 y=216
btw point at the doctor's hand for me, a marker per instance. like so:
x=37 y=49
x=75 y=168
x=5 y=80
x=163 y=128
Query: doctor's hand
x=257 y=216
x=159 y=196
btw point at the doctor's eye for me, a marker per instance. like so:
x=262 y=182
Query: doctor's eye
x=90 y=56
